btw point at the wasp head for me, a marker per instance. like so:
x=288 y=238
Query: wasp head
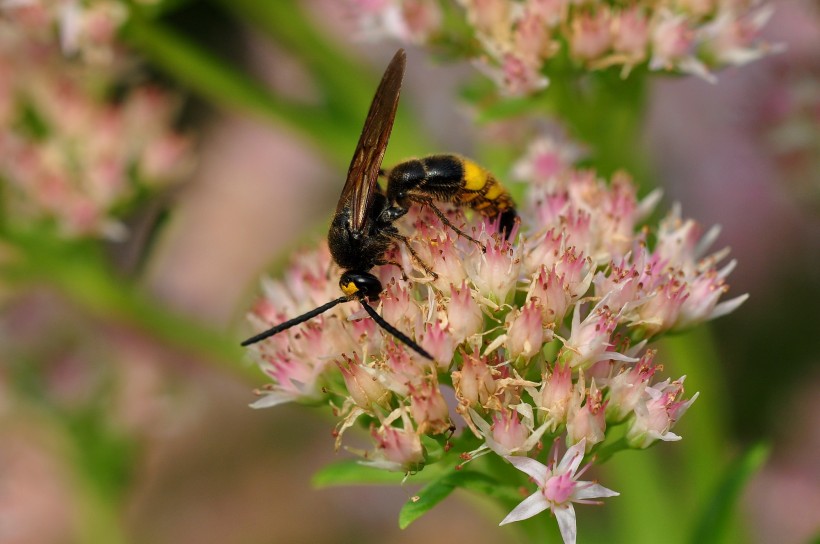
x=360 y=285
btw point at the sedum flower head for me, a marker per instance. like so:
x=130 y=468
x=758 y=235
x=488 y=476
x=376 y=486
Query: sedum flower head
x=542 y=337
x=70 y=155
x=517 y=40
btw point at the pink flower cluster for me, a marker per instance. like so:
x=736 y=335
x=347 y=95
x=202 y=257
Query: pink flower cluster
x=519 y=38
x=69 y=153
x=541 y=337
x=789 y=125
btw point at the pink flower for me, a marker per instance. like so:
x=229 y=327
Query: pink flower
x=630 y=34
x=558 y=487
x=413 y=21
x=550 y=294
x=397 y=448
x=439 y=343
x=525 y=333
x=464 y=317
x=363 y=385
x=555 y=395
x=626 y=389
x=656 y=414
x=512 y=431
x=589 y=35
x=495 y=272
x=545 y=159
x=474 y=383
x=428 y=409
x=586 y=423
x=590 y=339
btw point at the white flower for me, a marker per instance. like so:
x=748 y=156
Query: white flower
x=558 y=488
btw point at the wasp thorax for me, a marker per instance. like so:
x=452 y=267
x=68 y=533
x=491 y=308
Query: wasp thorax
x=360 y=284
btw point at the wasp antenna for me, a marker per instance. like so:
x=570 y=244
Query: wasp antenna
x=295 y=321
x=395 y=332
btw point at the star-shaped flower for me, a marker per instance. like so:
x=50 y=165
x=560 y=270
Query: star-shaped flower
x=558 y=488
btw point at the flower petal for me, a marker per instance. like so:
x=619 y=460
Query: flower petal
x=532 y=505
x=592 y=491
x=273 y=398
x=529 y=466
x=565 y=516
x=572 y=458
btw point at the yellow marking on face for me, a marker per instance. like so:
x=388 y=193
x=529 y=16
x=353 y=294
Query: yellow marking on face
x=474 y=176
x=349 y=288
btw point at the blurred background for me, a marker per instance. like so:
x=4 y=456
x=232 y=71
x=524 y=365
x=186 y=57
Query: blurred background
x=123 y=394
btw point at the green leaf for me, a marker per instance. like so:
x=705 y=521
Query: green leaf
x=434 y=450
x=718 y=511
x=437 y=491
x=352 y=472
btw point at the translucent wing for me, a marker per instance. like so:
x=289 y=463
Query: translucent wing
x=363 y=173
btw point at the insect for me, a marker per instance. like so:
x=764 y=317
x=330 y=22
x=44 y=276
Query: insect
x=363 y=230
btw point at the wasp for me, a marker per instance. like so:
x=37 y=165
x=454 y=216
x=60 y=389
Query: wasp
x=363 y=229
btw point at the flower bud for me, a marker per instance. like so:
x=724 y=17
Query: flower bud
x=400 y=449
x=474 y=382
x=525 y=333
x=428 y=408
x=464 y=317
x=555 y=395
x=363 y=387
x=586 y=422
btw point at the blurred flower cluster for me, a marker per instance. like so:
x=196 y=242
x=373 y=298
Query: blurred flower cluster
x=542 y=336
x=517 y=40
x=789 y=125
x=81 y=137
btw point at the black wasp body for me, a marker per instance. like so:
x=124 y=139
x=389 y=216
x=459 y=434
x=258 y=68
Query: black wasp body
x=363 y=230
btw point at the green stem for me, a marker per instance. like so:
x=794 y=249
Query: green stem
x=347 y=83
x=344 y=81
x=644 y=512
x=205 y=74
x=606 y=112
x=704 y=428
x=79 y=271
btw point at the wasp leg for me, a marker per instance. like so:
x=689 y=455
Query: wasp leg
x=396 y=264
x=418 y=260
x=429 y=203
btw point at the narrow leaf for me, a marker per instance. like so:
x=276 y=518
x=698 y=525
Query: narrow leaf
x=437 y=491
x=718 y=511
x=354 y=473
x=427 y=498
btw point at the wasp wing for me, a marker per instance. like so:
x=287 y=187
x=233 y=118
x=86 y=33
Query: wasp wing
x=363 y=173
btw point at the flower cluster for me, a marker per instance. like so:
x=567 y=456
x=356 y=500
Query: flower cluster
x=75 y=145
x=541 y=336
x=789 y=125
x=518 y=39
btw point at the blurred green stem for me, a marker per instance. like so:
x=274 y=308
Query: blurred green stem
x=333 y=125
x=606 y=112
x=704 y=457
x=346 y=82
x=205 y=74
x=79 y=270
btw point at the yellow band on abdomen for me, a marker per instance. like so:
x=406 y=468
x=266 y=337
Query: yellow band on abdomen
x=475 y=177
